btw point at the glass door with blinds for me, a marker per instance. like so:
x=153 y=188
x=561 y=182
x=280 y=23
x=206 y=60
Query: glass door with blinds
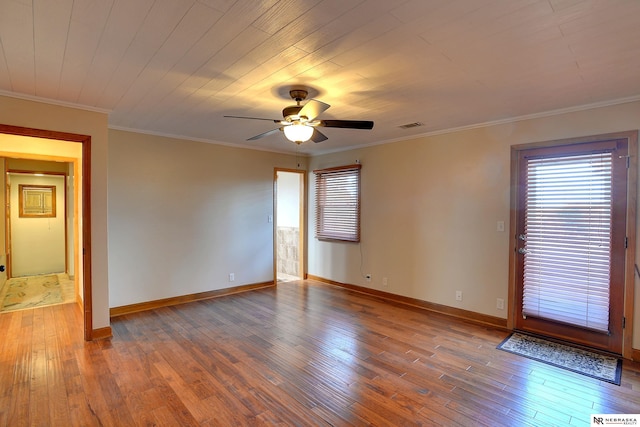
x=570 y=232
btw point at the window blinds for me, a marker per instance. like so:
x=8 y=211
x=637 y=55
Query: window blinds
x=568 y=239
x=338 y=203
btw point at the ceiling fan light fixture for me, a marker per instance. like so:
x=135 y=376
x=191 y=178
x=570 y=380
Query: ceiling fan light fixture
x=299 y=121
x=298 y=133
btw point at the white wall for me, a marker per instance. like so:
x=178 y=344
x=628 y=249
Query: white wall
x=288 y=199
x=184 y=214
x=37 y=244
x=430 y=208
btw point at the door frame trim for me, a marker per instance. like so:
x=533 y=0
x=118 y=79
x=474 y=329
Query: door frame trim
x=85 y=140
x=632 y=189
x=303 y=221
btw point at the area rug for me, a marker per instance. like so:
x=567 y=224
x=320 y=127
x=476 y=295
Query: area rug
x=30 y=292
x=595 y=365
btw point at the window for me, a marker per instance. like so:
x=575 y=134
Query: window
x=338 y=203
x=37 y=201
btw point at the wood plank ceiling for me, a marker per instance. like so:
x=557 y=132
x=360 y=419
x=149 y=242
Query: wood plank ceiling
x=175 y=67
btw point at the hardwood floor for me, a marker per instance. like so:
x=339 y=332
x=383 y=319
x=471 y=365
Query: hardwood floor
x=303 y=353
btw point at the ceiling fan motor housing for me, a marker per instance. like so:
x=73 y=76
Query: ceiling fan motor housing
x=290 y=113
x=298 y=95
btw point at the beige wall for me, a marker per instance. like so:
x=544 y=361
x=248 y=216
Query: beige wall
x=430 y=207
x=30 y=165
x=184 y=214
x=19 y=112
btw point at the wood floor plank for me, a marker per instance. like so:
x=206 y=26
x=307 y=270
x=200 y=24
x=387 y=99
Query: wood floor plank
x=302 y=353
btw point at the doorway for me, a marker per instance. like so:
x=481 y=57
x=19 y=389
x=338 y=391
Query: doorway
x=289 y=230
x=39 y=235
x=37 y=144
x=572 y=222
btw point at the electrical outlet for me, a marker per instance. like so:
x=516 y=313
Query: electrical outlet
x=368 y=277
x=385 y=282
x=458 y=295
x=500 y=304
x=232 y=277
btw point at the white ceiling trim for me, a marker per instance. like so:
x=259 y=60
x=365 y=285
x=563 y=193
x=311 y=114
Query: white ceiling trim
x=322 y=152
x=207 y=141
x=543 y=114
x=550 y=113
x=50 y=101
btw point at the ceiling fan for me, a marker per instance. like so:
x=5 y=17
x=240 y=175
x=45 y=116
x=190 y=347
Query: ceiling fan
x=299 y=123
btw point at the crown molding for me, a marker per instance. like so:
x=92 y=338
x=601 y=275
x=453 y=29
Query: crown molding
x=54 y=102
x=205 y=140
x=550 y=113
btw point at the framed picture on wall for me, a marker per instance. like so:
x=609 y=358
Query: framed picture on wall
x=37 y=201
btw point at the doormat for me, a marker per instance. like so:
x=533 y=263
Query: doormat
x=585 y=362
x=30 y=292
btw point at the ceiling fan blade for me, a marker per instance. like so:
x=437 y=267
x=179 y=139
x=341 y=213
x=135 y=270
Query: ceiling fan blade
x=347 y=124
x=262 y=135
x=318 y=136
x=253 y=118
x=313 y=108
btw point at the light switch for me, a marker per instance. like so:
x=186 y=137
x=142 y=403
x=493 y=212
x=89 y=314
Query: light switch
x=500 y=226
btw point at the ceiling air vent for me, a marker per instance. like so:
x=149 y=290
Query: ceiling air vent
x=411 y=125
